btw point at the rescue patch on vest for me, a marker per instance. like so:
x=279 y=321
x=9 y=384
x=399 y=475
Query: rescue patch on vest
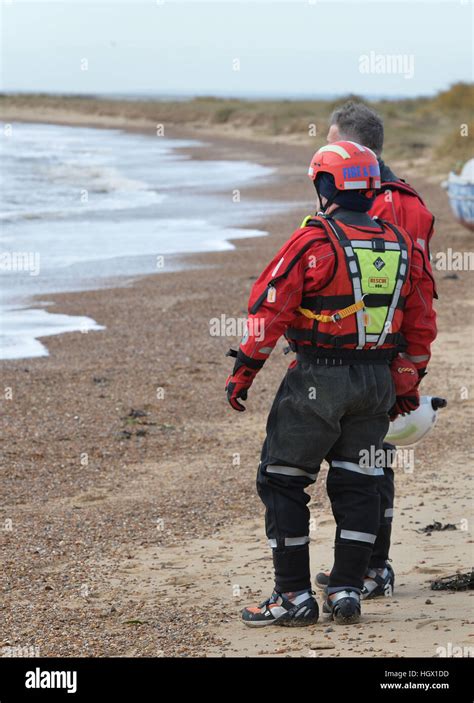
x=379 y=263
x=378 y=281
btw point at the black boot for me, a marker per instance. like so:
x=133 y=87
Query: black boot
x=344 y=607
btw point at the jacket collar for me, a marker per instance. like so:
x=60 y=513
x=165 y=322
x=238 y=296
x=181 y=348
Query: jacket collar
x=357 y=219
x=386 y=173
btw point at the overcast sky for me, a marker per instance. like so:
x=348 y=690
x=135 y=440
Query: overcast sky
x=262 y=47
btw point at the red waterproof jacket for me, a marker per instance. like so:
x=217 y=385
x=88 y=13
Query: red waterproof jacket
x=399 y=203
x=311 y=267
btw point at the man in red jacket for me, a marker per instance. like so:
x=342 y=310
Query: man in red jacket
x=396 y=200
x=347 y=291
x=399 y=203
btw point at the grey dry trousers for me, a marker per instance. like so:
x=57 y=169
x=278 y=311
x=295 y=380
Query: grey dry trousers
x=338 y=413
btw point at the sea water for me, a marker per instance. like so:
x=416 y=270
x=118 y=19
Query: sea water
x=81 y=207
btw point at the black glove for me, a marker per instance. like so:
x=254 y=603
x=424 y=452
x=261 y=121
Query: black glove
x=405 y=404
x=241 y=378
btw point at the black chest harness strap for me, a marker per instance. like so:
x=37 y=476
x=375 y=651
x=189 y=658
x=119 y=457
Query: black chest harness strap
x=353 y=271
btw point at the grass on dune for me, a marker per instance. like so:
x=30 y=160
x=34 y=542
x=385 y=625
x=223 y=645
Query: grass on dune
x=439 y=128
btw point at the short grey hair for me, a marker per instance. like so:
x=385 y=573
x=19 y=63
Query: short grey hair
x=358 y=123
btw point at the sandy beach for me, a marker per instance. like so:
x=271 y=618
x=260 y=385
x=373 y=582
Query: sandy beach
x=128 y=527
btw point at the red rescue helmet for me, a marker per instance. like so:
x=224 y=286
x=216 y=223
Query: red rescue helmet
x=352 y=166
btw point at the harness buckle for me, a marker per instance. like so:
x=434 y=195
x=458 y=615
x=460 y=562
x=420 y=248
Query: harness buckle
x=378 y=244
